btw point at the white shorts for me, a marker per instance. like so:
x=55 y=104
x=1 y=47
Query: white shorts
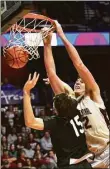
x=102 y=160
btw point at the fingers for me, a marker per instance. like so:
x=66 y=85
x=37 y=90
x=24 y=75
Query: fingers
x=44 y=29
x=29 y=78
x=34 y=76
x=38 y=76
x=52 y=29
x=57 y=23
x=47 y=31
x=36 y=79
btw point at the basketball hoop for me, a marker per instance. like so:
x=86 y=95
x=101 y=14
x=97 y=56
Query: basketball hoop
x=27 y=33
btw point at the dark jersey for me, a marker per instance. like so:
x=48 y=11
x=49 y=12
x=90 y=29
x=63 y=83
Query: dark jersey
x=67 y=137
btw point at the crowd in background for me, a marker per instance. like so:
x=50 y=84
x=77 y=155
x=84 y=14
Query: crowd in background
x=21 y=146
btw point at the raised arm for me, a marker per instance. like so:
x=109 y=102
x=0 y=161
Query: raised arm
x=82 y=70
x=58 y=86
x=30 y=120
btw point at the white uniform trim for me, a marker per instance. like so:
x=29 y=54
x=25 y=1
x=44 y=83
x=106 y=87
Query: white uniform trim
x=96 y=130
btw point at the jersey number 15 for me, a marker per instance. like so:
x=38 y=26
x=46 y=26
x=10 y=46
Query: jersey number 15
x=76 y=122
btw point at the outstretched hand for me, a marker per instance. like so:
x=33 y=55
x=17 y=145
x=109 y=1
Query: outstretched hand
x=58 y=28
x=31 y=82
x=48 y=38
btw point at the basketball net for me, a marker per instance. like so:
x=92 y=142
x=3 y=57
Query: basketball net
x=28 y=35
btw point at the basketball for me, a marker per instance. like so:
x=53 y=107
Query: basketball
x=16 y=57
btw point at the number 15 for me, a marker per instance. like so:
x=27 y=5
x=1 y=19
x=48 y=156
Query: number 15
x=77 y=123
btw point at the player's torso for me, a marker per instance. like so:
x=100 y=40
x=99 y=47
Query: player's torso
x=69 y=140
x=96 y=130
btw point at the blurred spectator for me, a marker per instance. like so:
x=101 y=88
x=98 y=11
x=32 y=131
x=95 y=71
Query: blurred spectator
x=43 y=115
x=4 y=118
x=24 y=134
x=31 y=141
x=36 y=110
x=10 y=112
x=29 y=152
x=39 y=160
x=4 y=142
x=37 y=136
x=6 y=157
x=19 y=143
x=28 y=130
x=12 y=151
x=19 y=165
x=46 y=143
x=38 y=154
x=6 y=165
x=10 y=126
x=38 y=148
x=12 y=137
x=1 y=150
x=3 y=131
x=22 y=118
x=22 y=158
x=29 y=163
x=23 y=130
x=17 y=119
x=52 y=159
x=11 y=123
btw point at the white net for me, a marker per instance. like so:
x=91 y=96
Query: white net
x=27 y=33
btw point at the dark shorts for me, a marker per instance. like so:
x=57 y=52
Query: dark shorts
x=83 y=165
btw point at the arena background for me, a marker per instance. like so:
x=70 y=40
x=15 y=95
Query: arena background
x=94 y=17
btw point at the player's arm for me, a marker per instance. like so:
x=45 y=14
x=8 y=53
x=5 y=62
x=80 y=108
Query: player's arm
x=67 y=88
x=30 y=120
x=58 y=86
x=82 y=70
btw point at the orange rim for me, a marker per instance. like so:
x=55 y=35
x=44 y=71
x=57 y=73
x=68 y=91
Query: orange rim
x=37 y=16
x=31 y=16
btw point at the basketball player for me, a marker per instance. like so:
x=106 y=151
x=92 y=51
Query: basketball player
x=66 y=129
x=91 y=106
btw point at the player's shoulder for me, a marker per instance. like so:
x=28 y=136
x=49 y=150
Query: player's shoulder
x=97 y=99
x=53 y=117
x=50 y=122
x=98 y=102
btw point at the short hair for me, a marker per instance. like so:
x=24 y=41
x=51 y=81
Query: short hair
x=65 y=105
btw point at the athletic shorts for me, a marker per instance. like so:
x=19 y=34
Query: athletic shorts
x=102 y=160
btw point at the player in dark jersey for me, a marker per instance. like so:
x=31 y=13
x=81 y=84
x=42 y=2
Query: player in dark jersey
x=66 y=128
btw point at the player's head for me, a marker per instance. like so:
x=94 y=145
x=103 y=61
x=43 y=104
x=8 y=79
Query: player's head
x=65 y=105
x=79 y=87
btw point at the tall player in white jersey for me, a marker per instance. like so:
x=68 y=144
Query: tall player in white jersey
x=91 y=106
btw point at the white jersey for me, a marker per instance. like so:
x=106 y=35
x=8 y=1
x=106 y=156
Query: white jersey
x=96 y=130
